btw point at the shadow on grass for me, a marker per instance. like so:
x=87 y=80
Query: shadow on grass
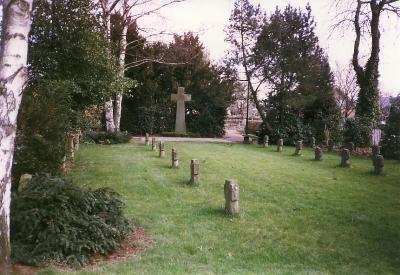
x=214 y=211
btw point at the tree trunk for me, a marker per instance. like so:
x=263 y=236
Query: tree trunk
x=13 y=76
x=108 y=105
x=109 y=113
x=121 y=63
x=367 y=78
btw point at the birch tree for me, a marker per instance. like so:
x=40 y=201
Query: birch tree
x=13 y=76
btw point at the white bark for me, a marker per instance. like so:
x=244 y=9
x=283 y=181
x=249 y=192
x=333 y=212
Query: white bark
x=13 y=76
x=121 y=63
x=108 y=106
x=109 y=112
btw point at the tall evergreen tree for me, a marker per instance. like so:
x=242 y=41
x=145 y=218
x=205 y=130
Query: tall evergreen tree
x=287 y=50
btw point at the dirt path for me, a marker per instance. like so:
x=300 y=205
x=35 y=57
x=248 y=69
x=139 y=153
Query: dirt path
x=231 y=136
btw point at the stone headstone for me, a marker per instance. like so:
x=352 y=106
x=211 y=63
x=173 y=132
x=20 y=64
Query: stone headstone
x=345 y=158
x=194 y=171
x=299 y=148
x=147 y=139
x=318 y=153
x=279 y=147
x=153 y=144
x=175 y=159
x=376 y=136
x=377 y=161
x=23 y=181
x=161 y=149
x=231 y=190
x=266 y=141
x=180 y=98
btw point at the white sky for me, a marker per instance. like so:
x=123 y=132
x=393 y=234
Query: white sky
x=208 y=18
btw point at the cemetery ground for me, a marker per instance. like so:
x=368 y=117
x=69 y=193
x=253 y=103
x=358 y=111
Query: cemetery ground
x=298 y=215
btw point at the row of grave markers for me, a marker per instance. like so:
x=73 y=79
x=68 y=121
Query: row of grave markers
x=377 y=158
x=231 y=188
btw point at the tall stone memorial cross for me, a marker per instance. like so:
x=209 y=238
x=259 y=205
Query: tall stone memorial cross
x=180 y=98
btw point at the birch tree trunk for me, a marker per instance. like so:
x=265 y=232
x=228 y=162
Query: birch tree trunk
x=13 y=77
x=121 y=63
x=108 y=106
x=109 y=113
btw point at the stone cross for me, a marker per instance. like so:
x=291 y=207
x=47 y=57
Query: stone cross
x=318 y=153
x=345 y=161
x=162 y=150
x=231 y=190
x=146 y=139
x=280 y=145
x=153 y=144
x=299 y=147
x=175 y=159
x=194 y=171
x=180 y=98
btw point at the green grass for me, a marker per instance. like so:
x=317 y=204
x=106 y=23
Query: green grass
x=298 y=216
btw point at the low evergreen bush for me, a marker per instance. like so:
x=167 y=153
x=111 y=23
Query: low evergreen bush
x=56 y=221
x=391 y=141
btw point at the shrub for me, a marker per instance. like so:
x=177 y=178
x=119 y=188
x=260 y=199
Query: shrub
x=54 y=220
x=358 y=131
x=104 y=137
x=42 y=125
x=391 y=141
x=391 y=147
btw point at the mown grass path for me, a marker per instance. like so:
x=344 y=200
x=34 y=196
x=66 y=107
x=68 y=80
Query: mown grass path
x=298 y=216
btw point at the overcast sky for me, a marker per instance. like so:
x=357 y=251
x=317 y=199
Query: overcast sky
x=208 y=18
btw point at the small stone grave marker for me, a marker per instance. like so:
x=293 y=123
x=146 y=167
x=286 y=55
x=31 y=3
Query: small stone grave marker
x=279 y=145
x=345 y=158
x=175 y=159
x=153 y=144
x=162 y=149
x=299 y=148
x=318 y=153
x=194 y=171
x=231 y=190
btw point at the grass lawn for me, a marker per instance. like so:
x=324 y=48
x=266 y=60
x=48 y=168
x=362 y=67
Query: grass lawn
x=298 y=216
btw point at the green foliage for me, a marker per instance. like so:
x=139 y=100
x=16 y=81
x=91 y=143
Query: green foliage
x=42 y=123
x=54 y=220
x=302 y=98
x=358 y=131
x=150 y=108
x=70 y=71
x=66 y=43
x=391 y=141
x=106 y=137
